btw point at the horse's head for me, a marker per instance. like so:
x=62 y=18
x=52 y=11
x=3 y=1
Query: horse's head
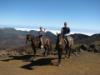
x=58 y=36
x=60 y=40
x=29 y=37
x=45 y=40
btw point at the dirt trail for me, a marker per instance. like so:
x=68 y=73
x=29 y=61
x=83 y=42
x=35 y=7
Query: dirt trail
x=84 y=64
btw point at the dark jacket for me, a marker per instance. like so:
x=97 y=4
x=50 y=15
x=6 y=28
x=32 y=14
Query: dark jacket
x=65 y=30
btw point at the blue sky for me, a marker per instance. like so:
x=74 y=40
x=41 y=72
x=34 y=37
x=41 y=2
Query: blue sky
x=83 y=16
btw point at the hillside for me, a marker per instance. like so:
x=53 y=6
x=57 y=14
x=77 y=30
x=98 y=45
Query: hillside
x=11 y=38
x=85 y=39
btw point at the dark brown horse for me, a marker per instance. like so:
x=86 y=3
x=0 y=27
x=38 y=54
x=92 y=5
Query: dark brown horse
x=35 y=43
x=64 y=45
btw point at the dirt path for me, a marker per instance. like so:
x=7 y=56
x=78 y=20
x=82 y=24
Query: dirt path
x=84 y=64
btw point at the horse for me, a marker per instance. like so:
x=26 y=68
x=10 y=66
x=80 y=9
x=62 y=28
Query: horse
x=64 y=45
x=35 y=43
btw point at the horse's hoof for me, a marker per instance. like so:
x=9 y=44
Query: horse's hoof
x=59 y=65
x=65 y=58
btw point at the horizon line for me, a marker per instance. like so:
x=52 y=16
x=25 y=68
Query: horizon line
x=54 y=31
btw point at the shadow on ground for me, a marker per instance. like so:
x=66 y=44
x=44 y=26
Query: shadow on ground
x=22 y=57
x=38 y=62
x=33 y=61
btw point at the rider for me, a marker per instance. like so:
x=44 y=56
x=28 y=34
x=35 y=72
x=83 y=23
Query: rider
x=41 y=35
x=64 y=31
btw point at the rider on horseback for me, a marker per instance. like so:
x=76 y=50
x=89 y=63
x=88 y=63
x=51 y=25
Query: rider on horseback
x=41 y=35
x=64 y=31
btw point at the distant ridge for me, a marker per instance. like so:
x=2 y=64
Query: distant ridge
x=11 y=38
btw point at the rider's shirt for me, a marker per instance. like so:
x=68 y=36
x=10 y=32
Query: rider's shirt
x=41 y=33
x=65 y=31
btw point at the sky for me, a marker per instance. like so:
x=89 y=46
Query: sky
x=82 y=16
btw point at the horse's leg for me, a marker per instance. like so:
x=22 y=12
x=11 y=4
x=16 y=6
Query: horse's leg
x=34 y=50
x=48 y=50
x=66 y=51
x=59 y=56
x=69 y=52
x=34 y=53
x=44 y=52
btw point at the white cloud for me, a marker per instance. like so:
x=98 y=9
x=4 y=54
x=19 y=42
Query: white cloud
x=56 y=31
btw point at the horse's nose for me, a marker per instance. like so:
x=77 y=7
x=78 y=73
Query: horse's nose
x=60 y=43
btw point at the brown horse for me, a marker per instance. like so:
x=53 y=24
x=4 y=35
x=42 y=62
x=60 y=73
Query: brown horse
x=35 y=43
x=64 y=45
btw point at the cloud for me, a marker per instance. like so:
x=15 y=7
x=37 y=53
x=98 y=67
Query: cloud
x=57 y=31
